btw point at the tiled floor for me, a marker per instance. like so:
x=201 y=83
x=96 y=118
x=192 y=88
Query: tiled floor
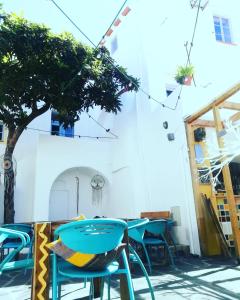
x=192 y=279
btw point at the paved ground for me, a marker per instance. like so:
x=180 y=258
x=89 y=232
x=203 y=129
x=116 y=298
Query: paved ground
x=192 y=279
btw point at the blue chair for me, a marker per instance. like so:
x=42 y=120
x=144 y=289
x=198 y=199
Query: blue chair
x=8 y=263
x=92 y=236
x=136 y=233
x=169 y=235
x=13 y=242
x=136 y=229
x=158 y=229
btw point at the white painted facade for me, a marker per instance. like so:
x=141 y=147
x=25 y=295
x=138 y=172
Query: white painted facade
x=143 y=170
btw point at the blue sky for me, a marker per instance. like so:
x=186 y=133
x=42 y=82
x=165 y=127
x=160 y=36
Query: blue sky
x=92 y=16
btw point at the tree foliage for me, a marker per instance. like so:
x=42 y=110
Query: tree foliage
x=40 y=70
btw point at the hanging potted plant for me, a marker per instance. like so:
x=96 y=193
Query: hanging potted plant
x=184 y=74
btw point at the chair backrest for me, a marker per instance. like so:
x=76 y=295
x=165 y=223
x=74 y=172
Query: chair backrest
x=6 y=233
x=24 y=228
x=92 y=236
x=136 y=229
x=19 y=227
x=157 y=227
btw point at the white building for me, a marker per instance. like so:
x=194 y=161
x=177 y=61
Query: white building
x=144 y=170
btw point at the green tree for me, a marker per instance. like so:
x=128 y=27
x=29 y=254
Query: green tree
x=39 y=71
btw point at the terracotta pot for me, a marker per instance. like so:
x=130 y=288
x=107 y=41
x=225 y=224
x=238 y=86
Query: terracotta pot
x=188 y=80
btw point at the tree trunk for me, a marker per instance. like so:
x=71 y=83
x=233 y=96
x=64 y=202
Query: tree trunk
x=14 y=132
x=9 y=176
x=8 y=187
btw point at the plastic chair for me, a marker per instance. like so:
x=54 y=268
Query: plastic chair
x=136 y=229
x=169 y=235
x=8 y=263
x=13 y=242
x=158 y=229
x=92 y=236
x=136 y=233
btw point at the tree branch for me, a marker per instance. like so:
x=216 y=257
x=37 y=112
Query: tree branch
x=124 y=90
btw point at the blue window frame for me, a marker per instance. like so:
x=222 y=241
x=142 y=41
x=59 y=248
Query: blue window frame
x=222 y=29
x=58 y=129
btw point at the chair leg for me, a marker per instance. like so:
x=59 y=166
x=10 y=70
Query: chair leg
x=128 y=274
x=148 y=259
x=144 y=271
x=169 y=253
x=54 y=278
x=91 y=293
x=109 y=287
x=102 y=288
x=59 y=290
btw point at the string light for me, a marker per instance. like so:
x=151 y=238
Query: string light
x=99 y=124
x=75 y=135
x=113 y=22
x=107 y=58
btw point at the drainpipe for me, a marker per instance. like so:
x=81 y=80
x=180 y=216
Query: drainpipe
x=77 y=182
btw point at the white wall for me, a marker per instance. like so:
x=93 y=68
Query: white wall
x=144 y=170
x=73 y=186
x=56 y=155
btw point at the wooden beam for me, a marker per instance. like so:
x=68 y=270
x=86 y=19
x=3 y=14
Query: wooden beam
x=195 y=183
x=230 y=105
x=235 y=117
x=216 y=102
x=203 y=123
x=228 y=186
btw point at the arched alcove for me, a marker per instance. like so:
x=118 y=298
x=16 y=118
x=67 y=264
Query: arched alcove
x=71 y=195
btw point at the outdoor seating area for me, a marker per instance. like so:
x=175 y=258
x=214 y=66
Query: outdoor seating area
x=135 y=259
x=86 y=249
x=194 y=278
x=119 y=150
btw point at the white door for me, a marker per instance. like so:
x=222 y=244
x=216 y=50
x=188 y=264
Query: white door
x=59 y=205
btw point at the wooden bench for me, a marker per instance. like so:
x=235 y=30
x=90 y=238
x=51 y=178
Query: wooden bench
x=156 y=214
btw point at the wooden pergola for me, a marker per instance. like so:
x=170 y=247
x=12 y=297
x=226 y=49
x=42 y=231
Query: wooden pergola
x=208 y=239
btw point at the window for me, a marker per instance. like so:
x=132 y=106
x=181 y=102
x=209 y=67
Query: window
x=58 y=129
x=1 y=132
x=222 y=29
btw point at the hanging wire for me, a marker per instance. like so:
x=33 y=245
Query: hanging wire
x=191 y=44
x=108 y=59
x=188 y=55
x=107 y=130
x=75 y=135
x=115 y=18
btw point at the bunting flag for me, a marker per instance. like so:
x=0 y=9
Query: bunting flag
x=116 y=23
